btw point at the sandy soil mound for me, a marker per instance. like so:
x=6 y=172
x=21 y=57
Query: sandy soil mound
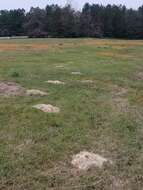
x=140 y=76
x=59 y=66
x=87 y=81
x=11 y=89
x=76 y=73
x=86 y=160
x=47 y=108
x=34 y=92
x=55 y=82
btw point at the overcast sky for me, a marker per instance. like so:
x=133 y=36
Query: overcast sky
x=10 y=4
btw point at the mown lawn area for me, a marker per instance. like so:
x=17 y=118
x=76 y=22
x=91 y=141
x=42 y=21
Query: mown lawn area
x=101 y=111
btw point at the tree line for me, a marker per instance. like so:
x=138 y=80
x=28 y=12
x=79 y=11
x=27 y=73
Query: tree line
x=92 y=21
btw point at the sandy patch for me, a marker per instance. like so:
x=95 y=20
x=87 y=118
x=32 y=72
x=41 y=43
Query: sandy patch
x=34 y=92
x=47 y=108
x=86 y=160
x=11 y=89
x=54 y=82
x=76 y=73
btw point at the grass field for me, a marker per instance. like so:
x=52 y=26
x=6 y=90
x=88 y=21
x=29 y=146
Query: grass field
x=104 y=116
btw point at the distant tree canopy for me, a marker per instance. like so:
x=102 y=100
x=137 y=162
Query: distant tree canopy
x=92 y=21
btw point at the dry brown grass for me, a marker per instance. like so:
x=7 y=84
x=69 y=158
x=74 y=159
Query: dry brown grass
x=34 y=46
x=21 y=47
x=116 y=55
x=116 y=43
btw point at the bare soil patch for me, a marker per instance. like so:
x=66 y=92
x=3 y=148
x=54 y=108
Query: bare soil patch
x=47 y=108
x=86 y=160
x=34 y=92
x=11 y=89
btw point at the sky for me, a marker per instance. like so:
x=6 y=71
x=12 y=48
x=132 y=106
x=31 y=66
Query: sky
x=26 y=4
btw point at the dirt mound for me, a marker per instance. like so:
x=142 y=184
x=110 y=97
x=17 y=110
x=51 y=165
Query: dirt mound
x=86 y=160
x=11 y=89
x=55 y=82
x=140 y=76
x=59 y=66
x=47 y=108
x=34 y=92
x=76 y=73
x=87 y=81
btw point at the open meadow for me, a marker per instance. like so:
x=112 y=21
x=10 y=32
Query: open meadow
x=99 y=92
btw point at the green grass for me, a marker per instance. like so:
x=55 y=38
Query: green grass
x=36 y=148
